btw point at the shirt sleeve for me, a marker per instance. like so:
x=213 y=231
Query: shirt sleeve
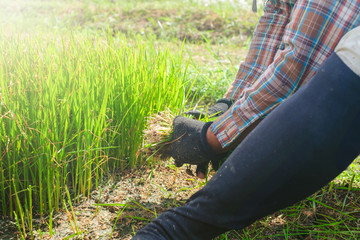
x=264 y=44
x=348 y=49
x=314 y=29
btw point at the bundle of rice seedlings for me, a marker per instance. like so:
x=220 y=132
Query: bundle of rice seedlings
x=157 y=134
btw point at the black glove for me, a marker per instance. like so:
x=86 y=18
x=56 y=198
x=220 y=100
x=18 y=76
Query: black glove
x=189 y=144
x=218 y=109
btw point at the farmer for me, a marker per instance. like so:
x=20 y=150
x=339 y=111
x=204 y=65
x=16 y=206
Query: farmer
x=292 y=39
x=299 y=147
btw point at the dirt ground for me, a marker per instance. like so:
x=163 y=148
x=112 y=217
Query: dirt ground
x=119 y=209
x=136 y=199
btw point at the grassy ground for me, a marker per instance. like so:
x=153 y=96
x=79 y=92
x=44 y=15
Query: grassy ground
x=226 y=27
x=215 y=36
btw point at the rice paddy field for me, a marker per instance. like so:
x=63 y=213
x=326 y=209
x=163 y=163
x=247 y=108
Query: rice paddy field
x=79 y=81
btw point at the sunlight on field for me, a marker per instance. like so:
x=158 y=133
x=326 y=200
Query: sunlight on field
x=54 y=15
x=243 y=3
x=71 y=112
x=78 y=79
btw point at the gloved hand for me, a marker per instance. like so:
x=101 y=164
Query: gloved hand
x=218 y=109
x=189 y=144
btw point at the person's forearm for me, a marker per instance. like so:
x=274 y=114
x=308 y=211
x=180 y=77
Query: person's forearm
x=216 y=146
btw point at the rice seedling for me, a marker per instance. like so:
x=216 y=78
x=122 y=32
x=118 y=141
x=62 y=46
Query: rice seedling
x=157 y=134
x=72 y=111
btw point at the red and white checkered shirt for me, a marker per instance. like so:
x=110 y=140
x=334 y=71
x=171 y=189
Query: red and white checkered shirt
x=292 y=39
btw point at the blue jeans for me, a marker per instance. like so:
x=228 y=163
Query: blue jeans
x=298 y=148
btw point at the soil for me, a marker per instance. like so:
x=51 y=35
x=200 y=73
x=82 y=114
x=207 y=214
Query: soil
x=139 y=196
x=119 y=209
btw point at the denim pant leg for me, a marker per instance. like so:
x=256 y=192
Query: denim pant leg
x=298 y=148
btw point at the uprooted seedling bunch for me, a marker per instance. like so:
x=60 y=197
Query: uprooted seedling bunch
x=157 y=134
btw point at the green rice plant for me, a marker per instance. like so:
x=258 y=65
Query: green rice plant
x=72 y=111
x=71 y=215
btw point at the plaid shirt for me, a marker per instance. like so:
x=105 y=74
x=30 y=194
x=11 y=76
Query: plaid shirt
x=292 y=39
